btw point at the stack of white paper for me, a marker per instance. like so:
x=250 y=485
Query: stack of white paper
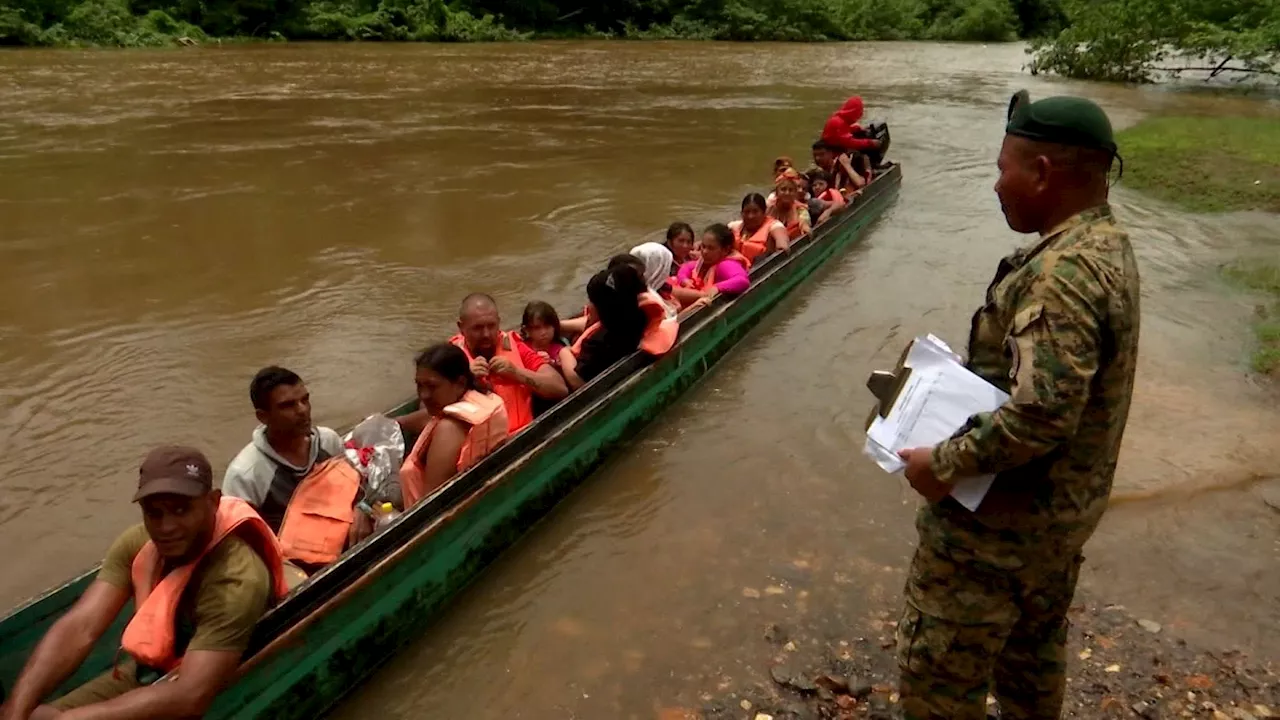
x=938 y=397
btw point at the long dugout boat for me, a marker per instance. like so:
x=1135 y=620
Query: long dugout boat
x=333 y=631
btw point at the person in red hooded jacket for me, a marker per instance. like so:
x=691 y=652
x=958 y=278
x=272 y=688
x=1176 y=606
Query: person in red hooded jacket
x=842 y=128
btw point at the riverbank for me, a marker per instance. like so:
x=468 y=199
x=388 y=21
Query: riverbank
x=1213 y=165
x=1120 y=666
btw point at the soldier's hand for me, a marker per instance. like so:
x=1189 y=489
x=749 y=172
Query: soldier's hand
x=479 y=367
x=919 y=472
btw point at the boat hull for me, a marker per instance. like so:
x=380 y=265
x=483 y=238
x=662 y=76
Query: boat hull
x=320 y=645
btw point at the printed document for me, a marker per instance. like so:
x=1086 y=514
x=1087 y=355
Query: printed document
x=938 y=397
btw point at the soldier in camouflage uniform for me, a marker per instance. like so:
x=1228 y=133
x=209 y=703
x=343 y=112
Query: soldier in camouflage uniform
x=988 y=592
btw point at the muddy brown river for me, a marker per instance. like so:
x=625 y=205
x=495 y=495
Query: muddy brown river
x=170 y=221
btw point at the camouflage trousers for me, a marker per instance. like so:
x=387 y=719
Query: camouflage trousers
x=969 y=623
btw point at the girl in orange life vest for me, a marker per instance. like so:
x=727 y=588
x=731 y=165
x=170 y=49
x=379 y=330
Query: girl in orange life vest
x=825 y=196
x=789 y=208
x=614 y=295
x=540 y=328
x=757 y=234
x=465 y=423
x=681 y=242
x=721 y=270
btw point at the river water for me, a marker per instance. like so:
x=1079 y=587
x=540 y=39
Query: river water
x=172 y=221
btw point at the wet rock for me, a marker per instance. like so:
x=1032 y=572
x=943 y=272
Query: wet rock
x=1149 y=625
x=862 y=691
x=1143 y=710
x=776 y=634
x=835 y=684
x=787 y=675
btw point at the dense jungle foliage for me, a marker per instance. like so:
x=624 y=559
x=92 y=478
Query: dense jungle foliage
x=160 y=22
x=1122 y=40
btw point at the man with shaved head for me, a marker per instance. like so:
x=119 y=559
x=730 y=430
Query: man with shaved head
x=501 y=361
x=988 y=591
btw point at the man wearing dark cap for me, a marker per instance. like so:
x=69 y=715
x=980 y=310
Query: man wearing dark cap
x=988 y=591
x=201 y=569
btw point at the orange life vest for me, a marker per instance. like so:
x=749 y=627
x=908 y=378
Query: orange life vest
x=151 y=636
x=319 y=515
x=661 y=327
x=704 y=278
x=831 y=195
x=576 y=347
x=517 y=396
x=486 y=413
x=756 y=245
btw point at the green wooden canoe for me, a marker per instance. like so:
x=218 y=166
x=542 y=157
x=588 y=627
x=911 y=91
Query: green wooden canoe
x=333 y=631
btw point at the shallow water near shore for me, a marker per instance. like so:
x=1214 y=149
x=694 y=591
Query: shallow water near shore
x=172 y=221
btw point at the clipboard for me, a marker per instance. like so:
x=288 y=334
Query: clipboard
x=885 y=385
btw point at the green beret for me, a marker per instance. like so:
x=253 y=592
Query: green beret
x=1063 y=120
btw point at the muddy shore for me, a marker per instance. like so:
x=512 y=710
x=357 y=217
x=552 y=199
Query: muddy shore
x=1121 y=666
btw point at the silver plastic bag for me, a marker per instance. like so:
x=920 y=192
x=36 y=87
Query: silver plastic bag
x=375 y=447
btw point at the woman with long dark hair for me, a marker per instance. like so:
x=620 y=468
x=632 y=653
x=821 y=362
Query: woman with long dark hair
x=614 y=295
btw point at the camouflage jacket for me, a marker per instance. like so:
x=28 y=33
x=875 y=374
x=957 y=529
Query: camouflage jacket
x=1059 y=333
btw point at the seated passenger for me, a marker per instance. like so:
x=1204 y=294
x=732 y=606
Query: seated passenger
x=826 y=199
x=656 y=262
x=465 y=423
x=781 y=164
x=500 y=361
x=789 y=209
x=681 y=242
x=201 y=569
x=285 y=448
x=540 y=329
x=290 y=464
x=802 y=186
x=615 y=297
x=833 y=161
x=720 y=271
x=757 y=234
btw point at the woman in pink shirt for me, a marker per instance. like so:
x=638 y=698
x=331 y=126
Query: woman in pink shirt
x=720 y=271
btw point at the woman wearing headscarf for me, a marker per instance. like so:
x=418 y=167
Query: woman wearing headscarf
x=657 y=259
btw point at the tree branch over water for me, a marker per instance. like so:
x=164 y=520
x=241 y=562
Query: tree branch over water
x=1128 y=40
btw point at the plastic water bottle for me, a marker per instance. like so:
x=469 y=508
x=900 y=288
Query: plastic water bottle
x=386 y=514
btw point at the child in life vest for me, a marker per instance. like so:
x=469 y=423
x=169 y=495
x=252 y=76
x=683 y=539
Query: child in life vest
x=826 y=199
x=540 y=329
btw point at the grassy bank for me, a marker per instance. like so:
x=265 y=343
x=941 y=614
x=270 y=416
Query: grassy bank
x=1205 y=164
x=1264 y=279
x=1217 y=165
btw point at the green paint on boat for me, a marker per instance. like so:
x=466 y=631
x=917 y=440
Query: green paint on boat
x=310 y=665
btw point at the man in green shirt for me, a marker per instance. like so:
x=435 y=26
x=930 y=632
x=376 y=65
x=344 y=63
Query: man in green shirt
x=988 y=591
x=228 y=591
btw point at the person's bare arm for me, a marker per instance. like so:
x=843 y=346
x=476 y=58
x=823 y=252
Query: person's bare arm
x=854 y=176
x=201 y=677
x=573 y=326
x=64 y=647
x=569 y=366
x=441 y=461
x=781 y=240
x=547 y=383
x=685 y=296
x=415 y=422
